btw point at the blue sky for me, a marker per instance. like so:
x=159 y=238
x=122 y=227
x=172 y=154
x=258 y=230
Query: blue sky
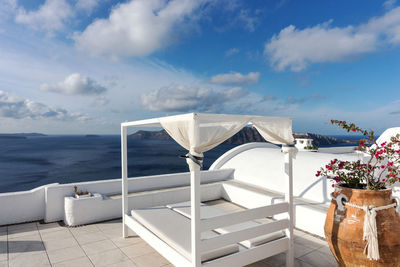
x=84 y=66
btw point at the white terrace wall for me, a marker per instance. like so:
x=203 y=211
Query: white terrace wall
x=22 y=206
x=260 y=165
x=47 y=202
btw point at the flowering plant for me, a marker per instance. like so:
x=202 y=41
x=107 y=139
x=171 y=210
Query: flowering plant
x=380 y=169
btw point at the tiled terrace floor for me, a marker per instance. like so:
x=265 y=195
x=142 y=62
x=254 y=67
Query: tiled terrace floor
x=36 y=244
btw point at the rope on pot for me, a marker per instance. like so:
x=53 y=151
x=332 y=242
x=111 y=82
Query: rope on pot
x=370 y=231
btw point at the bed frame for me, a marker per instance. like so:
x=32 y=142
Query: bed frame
x=199 y=225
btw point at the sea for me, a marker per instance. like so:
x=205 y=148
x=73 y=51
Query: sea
x=40 y=160
x=35 y=161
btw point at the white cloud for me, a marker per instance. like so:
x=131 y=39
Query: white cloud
x=296 y=49
x=235 y=78
x=19 y=108
x=101 y=101
x=50 y=16
x=232 y=52
x=7 y=7
x=75 y=84
x=249 y=20
x=137 y=28
x=182 y=98
x=389 y=4
x=87 y=5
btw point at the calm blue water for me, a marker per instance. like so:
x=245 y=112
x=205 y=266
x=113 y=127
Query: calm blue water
x=28 y=163
x=35 y=161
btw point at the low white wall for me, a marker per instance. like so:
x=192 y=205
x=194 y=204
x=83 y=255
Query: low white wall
x=47 y=202
x=24 y=206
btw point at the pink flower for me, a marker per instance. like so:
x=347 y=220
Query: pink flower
x=383 y=144
x=333 y=161
x=383 y=180
x=390 y=164
x=382 y=166
x=318 y=173
x=362 y=143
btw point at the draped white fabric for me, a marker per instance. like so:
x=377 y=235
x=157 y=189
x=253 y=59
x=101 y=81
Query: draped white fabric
x=199 y=133
x=274 y=129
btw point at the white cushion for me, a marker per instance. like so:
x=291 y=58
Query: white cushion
x=209 y=211
x=174 y=229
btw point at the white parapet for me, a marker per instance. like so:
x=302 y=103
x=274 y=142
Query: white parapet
x=47 y=202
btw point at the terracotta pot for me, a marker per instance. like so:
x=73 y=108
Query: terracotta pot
x=344 y=229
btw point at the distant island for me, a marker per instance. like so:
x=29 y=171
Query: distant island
x=19 y=135
x=247 y=135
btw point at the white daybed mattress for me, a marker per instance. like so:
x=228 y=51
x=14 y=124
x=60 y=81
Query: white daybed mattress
x=174 y=229
x=209 y=211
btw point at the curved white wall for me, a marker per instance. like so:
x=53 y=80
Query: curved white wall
x=261 y=165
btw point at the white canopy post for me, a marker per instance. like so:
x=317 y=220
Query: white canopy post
x=289 y=152
x=195 y=177
x=124 y=167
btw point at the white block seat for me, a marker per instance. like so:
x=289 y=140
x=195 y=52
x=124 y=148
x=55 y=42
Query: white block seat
x=174 y=229
x=207 y=211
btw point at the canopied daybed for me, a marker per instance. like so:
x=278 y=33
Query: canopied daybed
x=194 y=234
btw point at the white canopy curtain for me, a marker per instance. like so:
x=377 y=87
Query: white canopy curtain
x=199 y=133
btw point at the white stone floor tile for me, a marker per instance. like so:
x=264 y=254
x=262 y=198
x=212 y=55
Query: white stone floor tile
x=24 y=260
x=300 y=250
x=137 y=250
x=3 y=263
x=113 y=233
x=56 y=235
x=299 y=263
x=258 y=264
x=18 y=247
x=49 y=227
x=14 y=227
x=126 y=242
x=16 y=233
x=108 y=257
x=317 y=258
x=80 y=262
x=127 y=263
x=86 y=229
x=151 y=259
x=3 y=248
x=276 y=260
x=98 y=247
x=90 y=238
x=56 y=244
x=65 y=254
x=308 y=241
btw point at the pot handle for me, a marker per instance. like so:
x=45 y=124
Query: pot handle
x=339 y=201
x=397 y=200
